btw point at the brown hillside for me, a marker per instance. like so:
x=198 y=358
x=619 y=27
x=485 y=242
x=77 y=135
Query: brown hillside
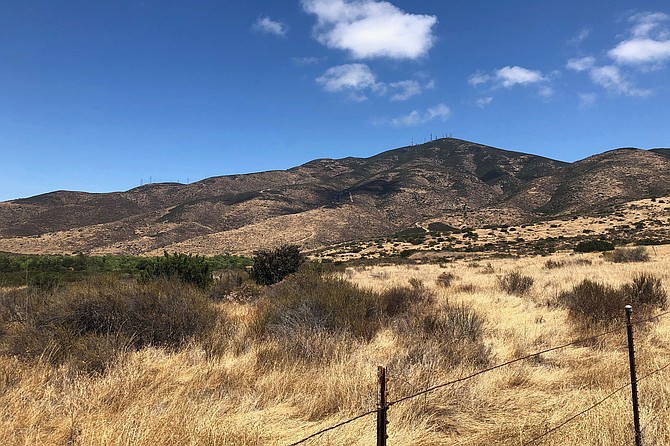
x=326 y=201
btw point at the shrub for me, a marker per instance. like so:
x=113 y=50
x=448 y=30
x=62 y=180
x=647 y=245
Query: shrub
x=515 y=283
x=398 y=299
x=184 y=267
x=445 y=279
x=594 y=302
x=626 y=255
x=552 y=264
x=87 y=324
x=308 y=300
x=455 y=331
x=235 y=285
x=594 y=246
x=646 y=290
x=272 y=266
x=45 y=281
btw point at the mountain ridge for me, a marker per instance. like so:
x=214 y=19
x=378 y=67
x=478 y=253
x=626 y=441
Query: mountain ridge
x=339 y=199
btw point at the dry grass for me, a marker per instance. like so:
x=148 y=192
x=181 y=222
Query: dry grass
x=238 y=385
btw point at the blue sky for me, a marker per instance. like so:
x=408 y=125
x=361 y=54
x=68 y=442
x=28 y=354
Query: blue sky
x=106 y=95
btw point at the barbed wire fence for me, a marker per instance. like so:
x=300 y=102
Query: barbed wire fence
x=383 y=405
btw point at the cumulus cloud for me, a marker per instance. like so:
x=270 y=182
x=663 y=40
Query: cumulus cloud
x=511 y=76
x=641 y=51
x=649 y=42
x=441 y=112
x=610 y=78
x=358 y=79
x=478 y=78
x=266 y=25
x=352 y=78
x=581 y=64
x=370 y=29
x=647 y=47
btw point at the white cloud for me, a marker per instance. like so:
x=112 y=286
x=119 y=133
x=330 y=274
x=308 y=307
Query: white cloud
x=483 y=102
x=478 y=78
x=641 y=51
x=357 y=79
x=587 y=100
x=511 y=76
x=369 y=28
x=581 y=64
x=610 y=78
x=645 y=23
x=405 y=89
x=353 y=78
x=649 y=43
x=409 y=120
x=440 y=111
x=268 y=26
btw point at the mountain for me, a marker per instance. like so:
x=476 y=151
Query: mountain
x=326 y=200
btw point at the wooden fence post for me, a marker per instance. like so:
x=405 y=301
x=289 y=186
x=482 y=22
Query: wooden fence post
x=382 y=408
x=633 y=376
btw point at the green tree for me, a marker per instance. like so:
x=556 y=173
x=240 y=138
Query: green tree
x=271 y=266
x=185 y=267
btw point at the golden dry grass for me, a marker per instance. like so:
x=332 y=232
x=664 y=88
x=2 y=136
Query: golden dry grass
x=236 y=388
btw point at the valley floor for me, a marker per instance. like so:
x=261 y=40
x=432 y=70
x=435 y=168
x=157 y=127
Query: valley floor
x=236 y=387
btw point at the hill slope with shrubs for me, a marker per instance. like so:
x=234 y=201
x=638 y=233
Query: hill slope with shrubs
x=328 y=201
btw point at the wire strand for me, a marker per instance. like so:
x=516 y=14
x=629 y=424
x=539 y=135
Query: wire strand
x=504 y=364
x=334 y=427
x=555 y=428
x=498 y=366
x=651 y=318
x=593 y=406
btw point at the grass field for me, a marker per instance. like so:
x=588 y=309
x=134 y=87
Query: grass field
x=276 y=365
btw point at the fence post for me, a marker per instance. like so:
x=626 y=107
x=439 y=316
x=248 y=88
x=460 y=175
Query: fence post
x=633 y=376
x=382 y=408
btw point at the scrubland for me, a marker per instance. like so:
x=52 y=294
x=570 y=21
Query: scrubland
x=114 y=362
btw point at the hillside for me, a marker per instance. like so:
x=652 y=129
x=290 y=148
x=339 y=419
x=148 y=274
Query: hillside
x=327 y=201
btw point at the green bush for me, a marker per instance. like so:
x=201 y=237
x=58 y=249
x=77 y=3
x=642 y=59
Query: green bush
x=594 y=246
x=272 y=266
x=45 y=281
x=184 y=267
x=515 y=283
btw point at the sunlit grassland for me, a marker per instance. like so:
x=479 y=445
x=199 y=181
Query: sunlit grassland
x=274 y=368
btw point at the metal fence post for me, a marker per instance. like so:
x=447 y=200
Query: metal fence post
x=382 y=408
x=633 y=376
